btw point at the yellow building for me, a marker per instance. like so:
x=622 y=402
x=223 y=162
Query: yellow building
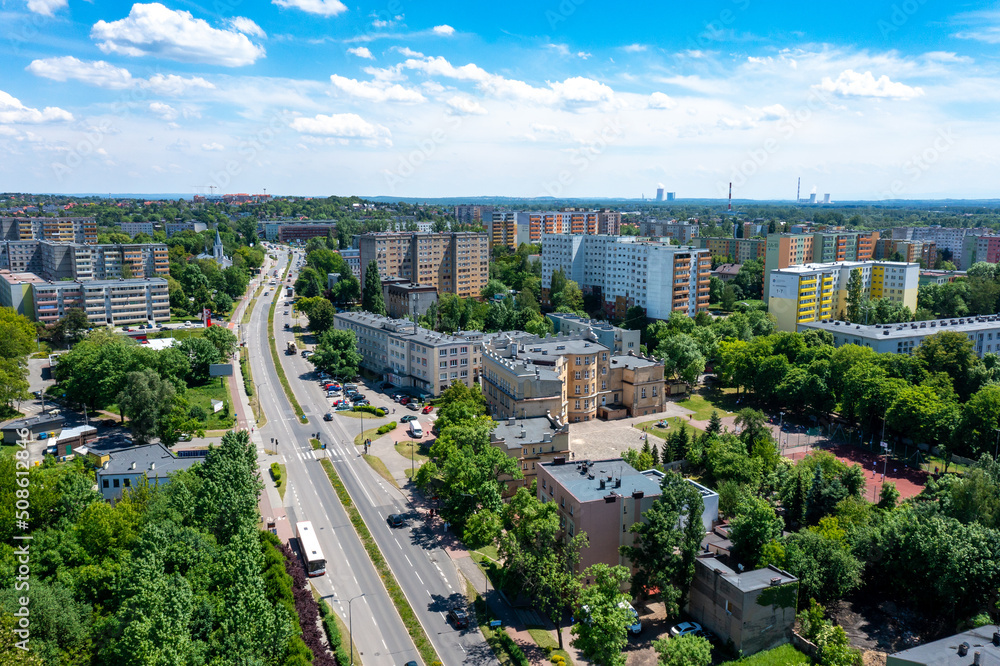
x=818 y=292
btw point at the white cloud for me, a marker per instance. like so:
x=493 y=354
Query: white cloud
x=375 y=91
x=361 y=52
x=773 y=112
x=154 y=30
x=563 y=50
x=465 y=106
x=343 y=126
x=576 y=92
x=320 y=7
x=164 y=111
x=634 y=48
x=855 y=84
x=247 y=27
x=46 y=7
x=13 y=111
x=445 y=30
x=96 y=73
x=172 y=84
x=660 y=100
x=406 y=51
x=212 y=147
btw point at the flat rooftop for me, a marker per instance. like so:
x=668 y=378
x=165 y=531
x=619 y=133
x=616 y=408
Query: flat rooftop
x=628 y=361
x=749 y=581
x=575 y=477
x=535 y=430
x=20 y=278
x=945 y=651
x=154 y=459
x=910 y=329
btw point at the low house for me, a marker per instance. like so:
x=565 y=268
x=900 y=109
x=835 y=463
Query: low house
x=727 y=272
x=50 y=424
x=531 y=441
x=70 y=439
x=128 y=468
x=976 y=646
x=753 y=609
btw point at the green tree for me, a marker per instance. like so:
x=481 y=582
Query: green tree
x=493 y=288
x=635 y=318
x=142 y=398
x=855 y=295
x=570 y=298
x=682 y=357
x=754 y=525
x=687 y=650
x=953 y=353
x=716 y=285
x=605 y=615
x=321 y=316
x=372 y=299
x=222 y=339
x=728 y=297
x=201 y=353
x=347 y=289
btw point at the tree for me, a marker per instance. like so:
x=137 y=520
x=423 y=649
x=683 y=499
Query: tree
x=493 y=288
x=337 y=353
x=200 y=353
x=728 y=297
x=750 y=279
x=953 y=353
x=755 y=525
x=825 y=567
x=855 y=296
x=558 y=282
x=142 y=398
x=346 y=290
x=222 y=339
x=715 y=287
x=753 y=423
x=570 y=297
x=372 y=299
x=635 y=318
x=662 y=554
x=223 y=303
x=321 y=316
x=682 y=357
x=605 y=615
x=687 y=650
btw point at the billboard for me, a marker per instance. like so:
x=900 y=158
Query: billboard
x=220 y=370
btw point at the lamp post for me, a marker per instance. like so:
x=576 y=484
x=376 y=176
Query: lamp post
x=350 y=622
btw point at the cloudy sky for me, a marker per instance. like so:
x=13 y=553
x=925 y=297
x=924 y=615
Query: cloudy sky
x=864 y=100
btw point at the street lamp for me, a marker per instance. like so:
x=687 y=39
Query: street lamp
x=350 y=621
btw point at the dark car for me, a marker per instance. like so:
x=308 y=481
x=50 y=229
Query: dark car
x=408 y=418
x=395 y=520
x=358 y=396
x=328 y=416
x=458 y=617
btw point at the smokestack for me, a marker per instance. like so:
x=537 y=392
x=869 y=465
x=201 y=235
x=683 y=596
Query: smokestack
x=730 y=196
x=798 y=190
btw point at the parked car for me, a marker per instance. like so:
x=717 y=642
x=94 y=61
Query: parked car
x=343 y=407
x=396 y=520
x=685 y=628
x=396 y=397
x=328 y=416
x=330 y=394
x=185 y=437
x=362 y=403
x=427 y=410
x=408 y=418
x=403 y=399
x=414 y=406
x=458 y=617
x=359 y=396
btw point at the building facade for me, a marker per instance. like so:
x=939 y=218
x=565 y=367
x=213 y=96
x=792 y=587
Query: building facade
x=508 y=229
x=134 y=228
x=78 y=261
x=56 y=229
x=785 y=250
x=172 y=228
x=405 y=299
x=406 y=355
x=301 y=233
x=685 y=232
x=619 y=340
x=818 y=292
x=983 y=331
x=452 y=262
x=131 y=468
x=978 y=248
x=474 y=216
x=625 y=272
x=16 y=292
x=531 y=441
x=106 y=302
x=950 y=239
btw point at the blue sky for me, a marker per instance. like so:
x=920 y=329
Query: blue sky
x=865 y=100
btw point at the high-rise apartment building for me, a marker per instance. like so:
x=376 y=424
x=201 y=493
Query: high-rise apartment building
x=740 y=250
x=784 y=250
x=818 y=292
x=172 y=228
x=910 y=251
x=508 y=228
x=453 y=262
x=472 y=215
x=609 y=222
x=977 y=248
x=77 y=261
x=106 y=302
x=951 y=239
x=685 y=232
x=565 y=221
x=625 y=272
x=56 y=229
x=134 y=228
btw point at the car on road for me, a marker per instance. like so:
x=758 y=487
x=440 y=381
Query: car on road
x=396 y=520
x=685 y=628
x=427 y=410
x=414 y=406
x=286 y=311
x=408 y=418
x=185 y=437
x=458 y=617
x=328 y=416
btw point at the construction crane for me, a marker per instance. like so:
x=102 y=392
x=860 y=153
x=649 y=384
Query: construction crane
x=200 y=189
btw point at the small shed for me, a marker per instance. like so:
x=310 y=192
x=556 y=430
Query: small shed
x=35 y=425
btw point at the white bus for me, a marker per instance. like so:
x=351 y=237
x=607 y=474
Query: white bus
x=312 y=554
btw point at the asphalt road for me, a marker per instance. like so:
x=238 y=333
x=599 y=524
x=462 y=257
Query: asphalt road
x=379 y=633
x=425 y=572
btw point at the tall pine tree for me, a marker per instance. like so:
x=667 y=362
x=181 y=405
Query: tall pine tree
x=371 y=296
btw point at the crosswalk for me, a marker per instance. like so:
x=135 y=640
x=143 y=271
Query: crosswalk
x=316 y=454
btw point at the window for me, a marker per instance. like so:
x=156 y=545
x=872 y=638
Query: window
x=105 y=483
x=578 y=362
x=604 y=356
x=577 y=387
x=443 y=376
x=116 y=483
x=643 y=392
x=443 y=364
x=604 y=384
x=654 y=391
x=577 y=375
x=443 y=352
x=577 y=405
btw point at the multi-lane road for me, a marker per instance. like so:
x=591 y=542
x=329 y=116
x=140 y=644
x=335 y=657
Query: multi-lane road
x=423 y=569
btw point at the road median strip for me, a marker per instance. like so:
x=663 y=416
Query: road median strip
x=406 y=613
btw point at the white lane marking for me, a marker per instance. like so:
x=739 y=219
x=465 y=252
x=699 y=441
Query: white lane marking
x=418 y=577
x=408 y=559
x=397 y=543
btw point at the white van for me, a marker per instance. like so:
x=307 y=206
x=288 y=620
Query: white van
x=415 y=430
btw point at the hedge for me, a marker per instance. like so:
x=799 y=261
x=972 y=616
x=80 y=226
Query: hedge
x=333 y=634
x=275 y=471
x=388 y=427
x=278 y=588
x=369 y=409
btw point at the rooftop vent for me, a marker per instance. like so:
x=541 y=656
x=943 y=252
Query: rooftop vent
x=963 y=649
x=610 y=498
x=132 y=466
x=152 y=465
x=776 y=581
x=637 y=494
x=603 y=483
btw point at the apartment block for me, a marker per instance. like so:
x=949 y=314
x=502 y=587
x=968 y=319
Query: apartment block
x=625 y=272
x=950 y=239
x=508 y=229
x=978 y=248
x=685 y=232
x=401 y=352
x=609 y=222
x=301 y=233
x=637 y=384
x=56 y=229
x=983 y=331
x=452 y=262
x=818 y=292
x=532 y=442
x=77 y=261
x=106 y=302
x=134 y=228
x=473 y=215
x=405 y=299
x=910 y=251
x=565 y=221
x=517 y=387
x=352 y=257
x=620 y=340
x=16 y=292
x=784 y=250
x=172 y=228
x=740 y=250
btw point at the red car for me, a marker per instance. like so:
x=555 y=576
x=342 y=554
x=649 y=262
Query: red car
x=428 y=409
x=404 y=400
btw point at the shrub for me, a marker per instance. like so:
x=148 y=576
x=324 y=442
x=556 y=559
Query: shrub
x=275 y=471
x=333 y=636
x=369 y=409
x=198 y=413
x=388 y=427
x=307 y=609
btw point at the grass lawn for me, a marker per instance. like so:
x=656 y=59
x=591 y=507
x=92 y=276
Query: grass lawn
x=779 y=656
x=498 y=640
x=544 y=639
x=203 y=396
x=705 y=401
x=282 y=485
x=418 y=450
x=315 y=443
x=7 y=413
x=380 y=467
x=674 y=422
x=371 y=434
